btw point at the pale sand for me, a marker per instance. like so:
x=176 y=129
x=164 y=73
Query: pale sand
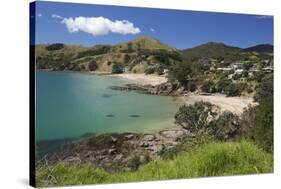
x=142 y=79
x=234 y=104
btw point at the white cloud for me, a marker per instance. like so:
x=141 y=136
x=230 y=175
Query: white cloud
x=152 y=30
x=98 y=25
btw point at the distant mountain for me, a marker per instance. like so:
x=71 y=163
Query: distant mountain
x=209 y=50
x=263 y=48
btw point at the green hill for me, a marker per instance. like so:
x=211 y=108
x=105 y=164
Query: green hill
x=209 y=50
x=137 y=55
x=262 y=48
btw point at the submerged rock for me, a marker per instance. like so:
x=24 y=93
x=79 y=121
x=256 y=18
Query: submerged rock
x=134 y=115
x=110 y=115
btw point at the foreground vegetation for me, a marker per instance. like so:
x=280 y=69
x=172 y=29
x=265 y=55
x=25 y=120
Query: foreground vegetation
x=213 y=159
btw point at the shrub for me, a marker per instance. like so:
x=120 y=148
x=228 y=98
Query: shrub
x=149 y=70
x=232 y=90
x=257 y=124
x=134 y=163
x=192 y=86
x=117 y=68
x=180 y=72
x=226 y=126
x=207 y=86
x=160 y=70
x=264 y=89
x=196 y=116
x=222 y=84
x=93 y=66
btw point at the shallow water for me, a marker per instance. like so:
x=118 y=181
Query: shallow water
x=69 y=105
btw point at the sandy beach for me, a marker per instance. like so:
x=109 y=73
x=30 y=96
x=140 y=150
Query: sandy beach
x=142 y=79
x=233 y=104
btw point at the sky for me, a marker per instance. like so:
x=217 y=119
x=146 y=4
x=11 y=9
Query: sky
x=88 y=25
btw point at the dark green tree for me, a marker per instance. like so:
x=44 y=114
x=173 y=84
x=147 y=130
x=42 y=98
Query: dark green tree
x=180 y=72
x=92 y=66
x=196 y=116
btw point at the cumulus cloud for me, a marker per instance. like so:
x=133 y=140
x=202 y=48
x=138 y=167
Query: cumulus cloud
x=98 y=25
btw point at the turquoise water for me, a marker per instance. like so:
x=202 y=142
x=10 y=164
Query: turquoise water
x=72 y=104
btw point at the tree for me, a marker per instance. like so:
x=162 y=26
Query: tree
x=257 y=124
x=232 y=90
x=207 y=86
x=263 y=130
x=222 y=84
x=196 y=116
x=226 y=126
x=117 y=68
x=180 y=72
x=160 y=70
x=92 y=66
x=264 y=89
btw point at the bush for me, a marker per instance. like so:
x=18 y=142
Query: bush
x=134 y=163
x=92 y=66
x=232 y=90
x=207 y=86
x=117 y=68
x=226 y=126
x=160 y=70
x=222 y=84
x=180 y=72
x=257 y=124
x=192 y=86
x=149 y=70
x=196 y=116
x=264 y=89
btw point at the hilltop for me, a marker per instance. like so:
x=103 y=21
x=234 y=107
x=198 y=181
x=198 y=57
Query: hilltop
x=135 y=56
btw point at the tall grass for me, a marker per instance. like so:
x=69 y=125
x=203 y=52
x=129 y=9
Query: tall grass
x=213 y=159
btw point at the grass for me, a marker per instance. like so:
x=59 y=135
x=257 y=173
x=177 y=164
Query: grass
x=213 y=159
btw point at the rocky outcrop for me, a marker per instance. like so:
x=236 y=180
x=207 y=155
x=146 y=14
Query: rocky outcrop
x=108 y=149
x=165 y=89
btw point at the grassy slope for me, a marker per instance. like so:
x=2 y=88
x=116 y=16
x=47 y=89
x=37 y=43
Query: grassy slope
x=214 y=159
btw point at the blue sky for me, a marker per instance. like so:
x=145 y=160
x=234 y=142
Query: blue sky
x=57 y=22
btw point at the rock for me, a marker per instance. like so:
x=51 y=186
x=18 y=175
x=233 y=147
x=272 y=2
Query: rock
x=174 y=134
x=113 y=139
x=118 y=157
x=112 y=151
x=129 y=136
x=148 y=138
x=144 y=144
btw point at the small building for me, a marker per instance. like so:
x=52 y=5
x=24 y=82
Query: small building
x=225 y=69
x=239 y=71
x=268 y=69
x=236 y=66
